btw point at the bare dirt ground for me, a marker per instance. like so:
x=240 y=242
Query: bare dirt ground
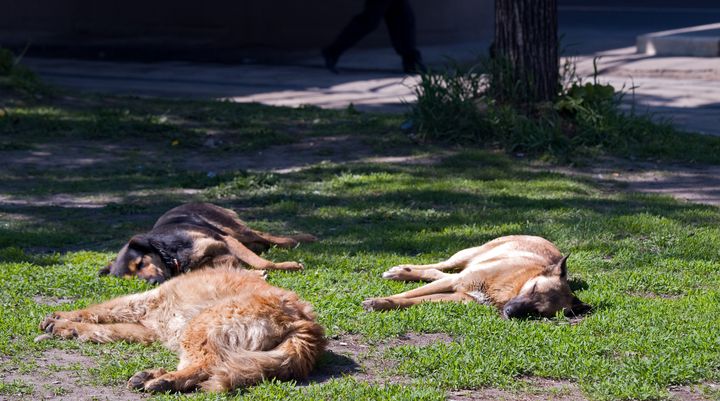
x=62 y=376
x=350 y=355
x=532 y=389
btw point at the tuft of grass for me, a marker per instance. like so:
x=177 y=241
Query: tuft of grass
x=17 y=77
x=16 y=388
x=243 y=181
x=463 y=105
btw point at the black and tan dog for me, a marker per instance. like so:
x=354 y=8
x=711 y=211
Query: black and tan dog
x=520 y=275
x=195 y=235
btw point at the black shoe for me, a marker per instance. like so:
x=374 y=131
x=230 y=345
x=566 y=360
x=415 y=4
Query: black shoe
x=413 y=66
x=330 y=60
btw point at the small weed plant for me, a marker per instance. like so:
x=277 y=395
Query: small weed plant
x=17 y=77
x=472 y=105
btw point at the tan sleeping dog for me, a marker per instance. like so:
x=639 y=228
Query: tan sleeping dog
x=521 y=275
x=229 y=327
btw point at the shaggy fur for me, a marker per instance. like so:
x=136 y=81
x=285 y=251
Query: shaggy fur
x=230 y=328
x=521 y=275
x=194 y=235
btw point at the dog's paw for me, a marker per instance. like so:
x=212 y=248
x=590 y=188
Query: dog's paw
x=49 y=319
x=73 y=316
x=138 y=380
x=159 y=386
x=368 y=305
x=377 y=304
x=262 y=274
x=398 y=273
x=57 y=328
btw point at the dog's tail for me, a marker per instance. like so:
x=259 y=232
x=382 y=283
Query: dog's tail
x=304 y=238
x=293 y=358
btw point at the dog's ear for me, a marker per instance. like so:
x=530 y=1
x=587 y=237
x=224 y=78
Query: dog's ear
x=578 y=308
x=560 y=268
x=162 y=248
x=140 y=243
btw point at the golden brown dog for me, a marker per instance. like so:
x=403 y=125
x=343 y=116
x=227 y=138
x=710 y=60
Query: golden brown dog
x=230 y=328
x=520 y=275
x=198 y=234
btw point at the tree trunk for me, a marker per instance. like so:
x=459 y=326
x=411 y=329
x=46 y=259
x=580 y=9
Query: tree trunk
x=526 y=46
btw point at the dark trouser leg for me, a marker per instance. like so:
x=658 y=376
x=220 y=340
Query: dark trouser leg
x=361 y=25
x=401 y=26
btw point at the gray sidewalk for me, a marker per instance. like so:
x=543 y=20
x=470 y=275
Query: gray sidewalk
x=273 y=85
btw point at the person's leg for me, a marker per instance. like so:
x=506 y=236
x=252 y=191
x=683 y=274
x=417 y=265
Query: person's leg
x=400 y=22
x=358 y=27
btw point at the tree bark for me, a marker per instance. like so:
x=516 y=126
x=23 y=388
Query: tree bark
x=526 y=45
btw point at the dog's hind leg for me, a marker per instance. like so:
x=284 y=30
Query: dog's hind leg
x=378 y=304
x=248 y=257
x=100 y=333
x=443 y=286
x=207 y=339
x=138 y=380
x=182 y=380
x=196 y=355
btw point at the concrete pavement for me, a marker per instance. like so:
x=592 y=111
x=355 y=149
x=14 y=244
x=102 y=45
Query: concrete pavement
x=274 y=85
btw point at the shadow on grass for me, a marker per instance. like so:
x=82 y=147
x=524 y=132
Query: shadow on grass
x=499 y=199
x=332 y=366
x=578 y=284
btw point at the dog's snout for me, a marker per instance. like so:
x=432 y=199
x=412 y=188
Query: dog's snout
x=508 y=311
x=516 y=309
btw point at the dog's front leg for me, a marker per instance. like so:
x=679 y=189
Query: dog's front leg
x=433 y=271
x=127 y=309
x=98 y=333
x=444 y=285
x=413 y=273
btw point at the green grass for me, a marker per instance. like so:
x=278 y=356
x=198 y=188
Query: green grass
x=648 y=264
x=16 y=388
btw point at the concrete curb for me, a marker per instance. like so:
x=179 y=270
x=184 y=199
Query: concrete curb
x=682 y=42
